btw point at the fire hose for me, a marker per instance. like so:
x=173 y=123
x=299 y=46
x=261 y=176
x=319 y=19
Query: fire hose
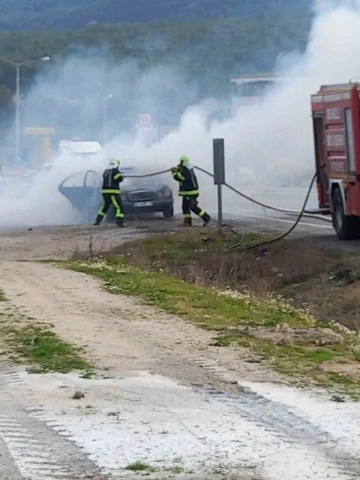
x=299 y=214
x=238 y=192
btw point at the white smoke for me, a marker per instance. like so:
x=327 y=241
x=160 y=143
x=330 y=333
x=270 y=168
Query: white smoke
x=278 y=130
x=281 y=126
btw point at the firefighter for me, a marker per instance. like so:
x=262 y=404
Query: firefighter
x=111 y=193
x=189 y=191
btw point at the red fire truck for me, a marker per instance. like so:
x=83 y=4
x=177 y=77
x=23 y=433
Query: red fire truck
x=336 y=126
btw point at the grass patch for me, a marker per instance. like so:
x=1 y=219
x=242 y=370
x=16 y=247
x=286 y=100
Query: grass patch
x=204 y=306
x=291 y=340
x=304 y=272
x=2 y=296
x=140 y=467
x=78 y=395
x=44 y=350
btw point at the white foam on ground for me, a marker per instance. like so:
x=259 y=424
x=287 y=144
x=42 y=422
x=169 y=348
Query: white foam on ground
x=340 y=420
x=154 y=420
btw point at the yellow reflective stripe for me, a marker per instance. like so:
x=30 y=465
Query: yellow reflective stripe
x=202 y=213
x=118 y=175
x=187 y=215
x=191 y=192
x=178 y=176
x=118 y=213
x=111 y=190
x=101 y=210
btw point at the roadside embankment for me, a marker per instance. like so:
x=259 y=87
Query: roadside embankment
x=287 y=302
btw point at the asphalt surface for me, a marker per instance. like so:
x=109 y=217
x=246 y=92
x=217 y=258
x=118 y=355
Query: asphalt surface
x=243 y=212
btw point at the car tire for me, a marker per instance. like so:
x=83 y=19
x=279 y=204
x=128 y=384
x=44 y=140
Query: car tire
x=346 y=226
x=169 y=212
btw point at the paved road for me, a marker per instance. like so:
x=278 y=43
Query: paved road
x=241 y=212
x=238 y=209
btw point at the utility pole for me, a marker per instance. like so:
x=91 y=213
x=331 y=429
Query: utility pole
x=18 y=66
x=105 y=103
x=17 y=115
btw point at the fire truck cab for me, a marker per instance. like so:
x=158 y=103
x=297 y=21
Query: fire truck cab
x=336 y=127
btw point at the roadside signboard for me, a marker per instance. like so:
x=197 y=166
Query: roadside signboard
x=40 y=131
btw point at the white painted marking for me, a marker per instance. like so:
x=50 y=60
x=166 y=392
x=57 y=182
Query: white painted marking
x=282 y=220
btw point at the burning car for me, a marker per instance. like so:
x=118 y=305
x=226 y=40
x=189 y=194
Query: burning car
x=146 y=195
x=139 y=195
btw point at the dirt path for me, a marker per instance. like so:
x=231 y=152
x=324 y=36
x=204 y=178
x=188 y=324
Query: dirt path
x=61 y=242
x=117 y=332
x=170 y=400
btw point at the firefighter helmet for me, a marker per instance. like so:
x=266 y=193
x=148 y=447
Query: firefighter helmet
x=184 y=161
x=115 y=162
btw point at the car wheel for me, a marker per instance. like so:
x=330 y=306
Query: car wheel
x=169 y=212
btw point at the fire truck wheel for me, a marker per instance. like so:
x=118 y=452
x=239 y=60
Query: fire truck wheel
x=346 y=226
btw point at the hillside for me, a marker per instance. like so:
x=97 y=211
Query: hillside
x=70 y=14
x=205 y=52
x=209 y=50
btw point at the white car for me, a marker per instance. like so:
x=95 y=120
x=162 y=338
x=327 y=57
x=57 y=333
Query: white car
x=80 y=149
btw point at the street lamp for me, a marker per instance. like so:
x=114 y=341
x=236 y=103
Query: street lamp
x=17 y=66
x=105 y=101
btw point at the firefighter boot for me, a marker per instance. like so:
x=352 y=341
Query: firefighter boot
x=206 y=219
x=97 y=220
x=187 y=222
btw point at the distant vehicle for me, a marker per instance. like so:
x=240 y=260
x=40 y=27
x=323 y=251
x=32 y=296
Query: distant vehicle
x=139 y=195
x=80 y=149
x=246 y=177
x=14 y=178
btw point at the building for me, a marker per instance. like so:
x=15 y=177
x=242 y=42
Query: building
x=249 y=90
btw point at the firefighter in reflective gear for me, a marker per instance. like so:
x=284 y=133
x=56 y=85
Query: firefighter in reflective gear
x=111 y=193
x=189 y=191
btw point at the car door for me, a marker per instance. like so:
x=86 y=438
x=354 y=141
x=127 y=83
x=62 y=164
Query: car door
x=83 y=190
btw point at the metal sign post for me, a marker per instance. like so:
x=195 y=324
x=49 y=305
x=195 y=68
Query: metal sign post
x=219 y=173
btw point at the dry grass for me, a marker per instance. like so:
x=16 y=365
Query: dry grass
x=289 y=339
x=309 y=276
x=276 y=301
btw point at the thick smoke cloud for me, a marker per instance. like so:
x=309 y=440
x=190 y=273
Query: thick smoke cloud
x=277 y=131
